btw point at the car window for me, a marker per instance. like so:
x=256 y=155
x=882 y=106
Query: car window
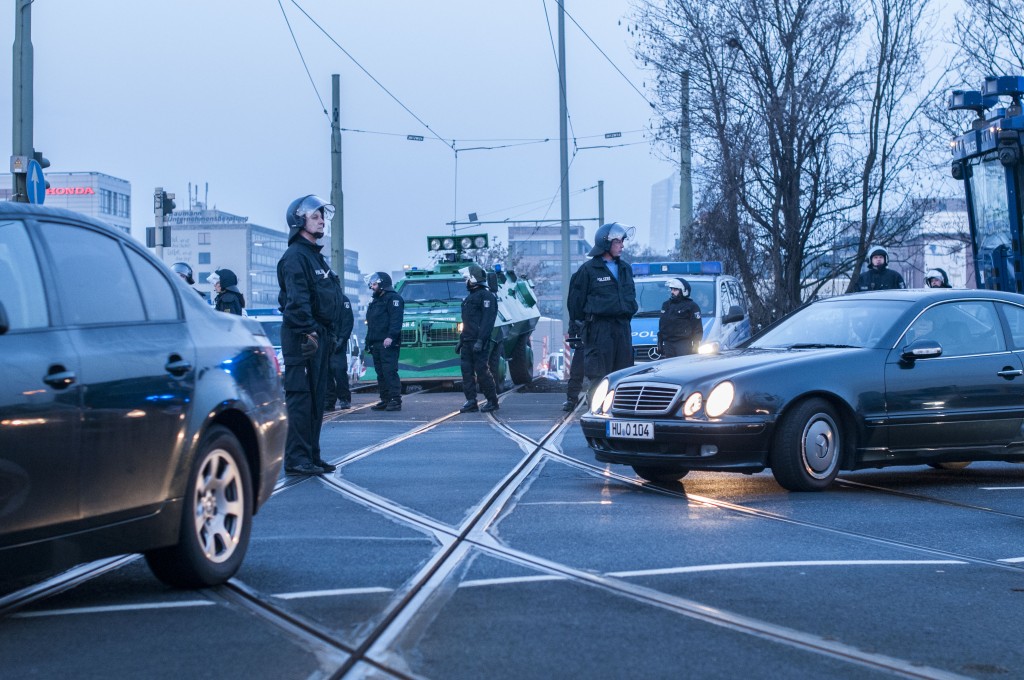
x=157 y=294
x=651 y=295
x=21 y=286
x=849 y=322
x=1014 y=316
x=94 y=283
x=961 y=328
x=737 y=296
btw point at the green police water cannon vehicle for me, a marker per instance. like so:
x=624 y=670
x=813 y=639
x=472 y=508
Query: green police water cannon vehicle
x=433 y=317
x=989 y=160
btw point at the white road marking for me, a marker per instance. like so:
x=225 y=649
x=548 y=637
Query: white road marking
x=331 y=593
x=1012 y=560
x=1002 y=488
x=769 y=565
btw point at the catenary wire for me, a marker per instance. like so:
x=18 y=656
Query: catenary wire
x=303 y=59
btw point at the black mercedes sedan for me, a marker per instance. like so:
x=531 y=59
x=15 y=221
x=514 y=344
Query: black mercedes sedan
x=133 y=417
x=903 y=377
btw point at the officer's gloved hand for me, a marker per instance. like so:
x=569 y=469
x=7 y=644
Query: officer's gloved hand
x=458 y=348
x=309 y=345
x=575 y=329
x=478 y=346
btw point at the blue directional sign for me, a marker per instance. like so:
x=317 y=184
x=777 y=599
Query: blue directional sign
x=35 y=182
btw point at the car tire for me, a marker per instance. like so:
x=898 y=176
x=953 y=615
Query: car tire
x=659 y=474
x=950 y=465
x=520 y=364
x=216 y=517
x=808 y=447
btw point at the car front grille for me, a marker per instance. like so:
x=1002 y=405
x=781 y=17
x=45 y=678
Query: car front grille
x=644 y=398
x=434 y=334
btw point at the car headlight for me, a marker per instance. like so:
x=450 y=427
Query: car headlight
x=693 y=404
x=720 y=399
x=709 y=347
x=597 y=399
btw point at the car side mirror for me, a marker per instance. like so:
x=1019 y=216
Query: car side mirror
x=920 y=349
x=5 y=324
x=734 y=314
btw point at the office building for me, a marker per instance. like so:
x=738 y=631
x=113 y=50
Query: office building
x=106 y=198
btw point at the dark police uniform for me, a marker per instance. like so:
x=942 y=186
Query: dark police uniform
x=309 y=301
x=609 y=302
x=574 y=305
x=384 y=320
x=879 y=278
x=479 y=312
x=337 y=375
x=679 y=328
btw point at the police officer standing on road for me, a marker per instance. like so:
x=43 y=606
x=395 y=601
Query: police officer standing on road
x=309 y=301
x=605 y=285
x=479 y=311
x=936 y=278
x=877 y=276
x=679 y=327
x=384 y=338
x=229 y=298
x=574 y=338
x=184 y=270
x=338 y=391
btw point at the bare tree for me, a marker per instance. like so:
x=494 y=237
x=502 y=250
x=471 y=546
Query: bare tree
x=990 y=35
x=797 y=171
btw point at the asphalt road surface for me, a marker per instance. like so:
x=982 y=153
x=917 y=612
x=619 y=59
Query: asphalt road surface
x=494 y=546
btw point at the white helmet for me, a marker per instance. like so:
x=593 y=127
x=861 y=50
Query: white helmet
x=679 y=284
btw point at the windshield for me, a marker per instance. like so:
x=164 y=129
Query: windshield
x=988 y=202
x=426 y=291
x=836 y=322
x=273 y=331
x=650 y=295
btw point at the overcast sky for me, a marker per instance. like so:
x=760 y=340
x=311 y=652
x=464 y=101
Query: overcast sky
x=201 y=91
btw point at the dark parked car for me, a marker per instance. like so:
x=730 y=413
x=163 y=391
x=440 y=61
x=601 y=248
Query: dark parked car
x=133 y=417
x=865 y=380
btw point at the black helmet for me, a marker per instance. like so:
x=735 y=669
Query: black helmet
x=607 y=233
x=300 y=208
x=383 y=278
x=680 y=284
x=474 y=274
x=184 y=271
x=225 y=277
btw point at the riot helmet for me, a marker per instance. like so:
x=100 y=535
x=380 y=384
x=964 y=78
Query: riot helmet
x=878 y=250
x=474 y=275
x=679 y=284
x=300 y=209
x=383 y=279
x=936 y=278
x=184 y=271
x=607 y=233
x=225 y=277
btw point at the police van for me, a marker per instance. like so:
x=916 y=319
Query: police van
x=723 y=307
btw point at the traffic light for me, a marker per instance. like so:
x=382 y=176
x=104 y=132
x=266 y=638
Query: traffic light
x=43 y=162
x=165 y=241
x=168 y=203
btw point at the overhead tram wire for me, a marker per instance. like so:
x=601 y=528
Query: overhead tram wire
x=371 y=77
x=603 y=54
x=303 y=59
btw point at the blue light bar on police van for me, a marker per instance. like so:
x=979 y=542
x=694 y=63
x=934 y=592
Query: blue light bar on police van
x=652 y=268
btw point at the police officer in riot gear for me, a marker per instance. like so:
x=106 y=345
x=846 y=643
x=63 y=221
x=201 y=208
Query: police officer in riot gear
x=183 y=270
x=229 y=298
x=878 y=276
x=384 y=317
x=479 y=311
x=338 y=391
x=574 y=338
x=679 y=328
x=936 y=278
x=605 y=287
x=309 y=300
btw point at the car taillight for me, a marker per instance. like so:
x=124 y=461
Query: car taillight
x=272 y=353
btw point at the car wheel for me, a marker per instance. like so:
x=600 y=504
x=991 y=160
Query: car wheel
x=520 y=364
x=808 y=447
x=952 y=465
x=216 y=517
x=659 y=474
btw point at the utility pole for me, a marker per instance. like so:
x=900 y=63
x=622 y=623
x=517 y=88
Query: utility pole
x=686 y=250
x=337 y=198
x=600 y=202
x=563 y=154
x=21 y=148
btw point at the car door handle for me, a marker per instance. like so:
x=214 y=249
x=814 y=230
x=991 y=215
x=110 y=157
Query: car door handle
x=59 y=378
x=1009 y=372
x=177 y=366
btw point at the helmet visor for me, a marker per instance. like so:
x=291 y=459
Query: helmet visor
x=620 y=233
x=311 y=204
x=371 y=279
